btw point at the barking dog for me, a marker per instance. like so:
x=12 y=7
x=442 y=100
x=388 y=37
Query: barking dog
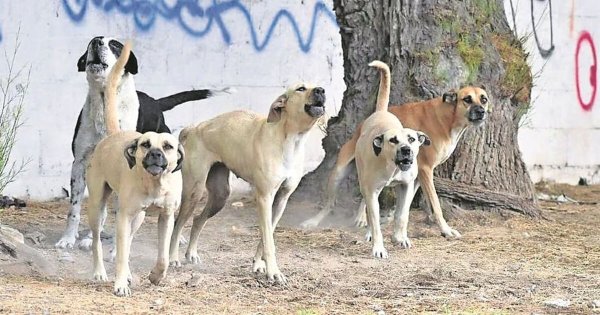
x=136 y=112
x=267 y=152
x=386 y=155
x=143 y=169
x=444 y=120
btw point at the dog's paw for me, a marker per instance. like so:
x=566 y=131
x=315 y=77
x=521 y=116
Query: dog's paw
x=85 y=244
x=277 y=277
x=380 y=252
x=403 y=241
x=112 y=254
x=175 y=263
x=156 y=276
x=66 y=242
x=182 y=240
x=259 y=266
x=368 y=236
x=122 y=290
x=100 y=276
x=193 y=258
x=310 y=224
x=450 y=233
x=361 y=220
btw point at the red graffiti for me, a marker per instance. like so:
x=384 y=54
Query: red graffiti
x=586 y=37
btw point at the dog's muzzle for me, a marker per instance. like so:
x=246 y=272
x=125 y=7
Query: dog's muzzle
x=155 y=162
x=477 y=114
x=404 y=158
x=317 y=108
x=95 y=62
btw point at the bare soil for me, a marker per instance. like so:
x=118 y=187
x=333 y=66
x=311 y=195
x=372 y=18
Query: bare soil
x=503 y=264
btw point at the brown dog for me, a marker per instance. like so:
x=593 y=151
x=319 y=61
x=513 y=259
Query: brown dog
x=444 y=119
x=267 y=152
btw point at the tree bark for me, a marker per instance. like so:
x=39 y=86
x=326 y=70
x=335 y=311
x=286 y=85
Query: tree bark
x=433 y=46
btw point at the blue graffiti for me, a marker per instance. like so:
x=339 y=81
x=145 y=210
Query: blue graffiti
x=145 y=13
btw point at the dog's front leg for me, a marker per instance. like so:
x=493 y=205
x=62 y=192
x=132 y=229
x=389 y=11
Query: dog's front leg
x=123 y=245
x=404 y=196
x=372 y=203
x=264 y=204
x=279 y=205
x=426 y=181
x=165 y=231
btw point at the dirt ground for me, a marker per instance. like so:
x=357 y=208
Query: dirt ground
x=503 y=264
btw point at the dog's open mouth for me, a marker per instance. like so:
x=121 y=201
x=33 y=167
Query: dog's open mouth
x=154 y=169
x=404 y=164
x=315 y=110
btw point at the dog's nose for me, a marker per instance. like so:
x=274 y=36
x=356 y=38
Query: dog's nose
x=155 y=154
x=319 y=90
x=405 y=150
x=97 y=41
x=479 y=110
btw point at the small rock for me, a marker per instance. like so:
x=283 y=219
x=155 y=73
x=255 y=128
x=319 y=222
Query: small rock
x=159 y=302
x=12 y=234
x=380 y=312
x=595 y=304
x=557 y=303
x=36 y=237
x=193 y=282
x=237 y=204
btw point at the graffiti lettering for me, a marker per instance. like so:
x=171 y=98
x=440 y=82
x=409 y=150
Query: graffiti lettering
x=585 y=37
x=196 y=20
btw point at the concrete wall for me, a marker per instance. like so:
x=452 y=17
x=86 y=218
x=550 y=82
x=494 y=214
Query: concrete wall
x=257 y=47
x=560 y=133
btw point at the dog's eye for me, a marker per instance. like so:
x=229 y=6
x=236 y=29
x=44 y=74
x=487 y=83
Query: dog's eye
x=301 y=89
x=468 y=99
x=146 y=144
x=167 y=146
x=411 y=139
x=483 y=99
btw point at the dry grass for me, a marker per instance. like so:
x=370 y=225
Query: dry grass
x=501 y=265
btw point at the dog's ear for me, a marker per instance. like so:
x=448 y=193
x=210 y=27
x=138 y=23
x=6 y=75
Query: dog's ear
x=180 y=156
x=450 y=97
x=130 y=152
x=378 y=144
x=276 y=108
x=483 y=87
x=82 y=62
x=132 y=65
x=423 y=138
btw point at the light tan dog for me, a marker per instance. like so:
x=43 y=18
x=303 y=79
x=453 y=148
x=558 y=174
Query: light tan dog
x=444 y=119
x=143 y=170
x=386 y=154
x=266 y=152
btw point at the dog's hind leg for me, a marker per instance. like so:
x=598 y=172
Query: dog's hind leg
x=279 y=204
x=99 y=193
x=217 y=187
x=345 y=156
x=194 y=183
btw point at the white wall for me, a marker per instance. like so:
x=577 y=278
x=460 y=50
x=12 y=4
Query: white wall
x=559 y=138
x=171 y=58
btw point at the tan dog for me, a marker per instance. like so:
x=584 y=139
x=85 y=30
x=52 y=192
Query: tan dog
x=143 y=170
x=268 y=153
x=444 y=119
x=386 y=156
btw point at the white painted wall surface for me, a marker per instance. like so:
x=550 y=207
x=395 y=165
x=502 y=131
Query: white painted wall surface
x=559 y=140
x=171 y=59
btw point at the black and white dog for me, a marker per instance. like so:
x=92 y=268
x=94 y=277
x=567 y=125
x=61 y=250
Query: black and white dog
x=137 y=111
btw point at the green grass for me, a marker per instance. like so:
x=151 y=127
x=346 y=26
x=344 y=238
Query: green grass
x=469 y=49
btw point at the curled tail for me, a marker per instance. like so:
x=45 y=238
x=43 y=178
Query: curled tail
x=383 y=98
x=111 y=116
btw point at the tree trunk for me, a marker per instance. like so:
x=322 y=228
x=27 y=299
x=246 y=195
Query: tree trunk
x=433 y=46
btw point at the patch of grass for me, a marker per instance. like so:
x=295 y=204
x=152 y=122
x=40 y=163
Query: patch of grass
x=517 y=79
x=307 y=312
x=484 y=10
x=469 y=49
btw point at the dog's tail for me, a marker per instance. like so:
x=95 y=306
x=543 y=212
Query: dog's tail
x=169 y=102
x=111 y=117
x=383 y=98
